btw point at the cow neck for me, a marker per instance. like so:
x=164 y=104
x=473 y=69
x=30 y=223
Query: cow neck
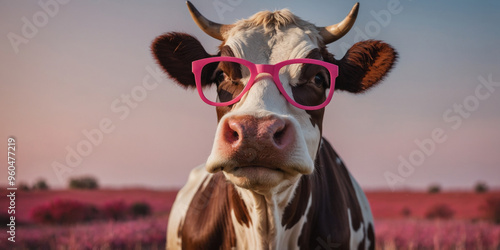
x=266 y=212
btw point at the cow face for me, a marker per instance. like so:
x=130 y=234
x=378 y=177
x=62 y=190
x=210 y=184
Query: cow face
x=263 y=142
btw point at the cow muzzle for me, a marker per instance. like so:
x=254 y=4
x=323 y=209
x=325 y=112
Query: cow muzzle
x=250 y=149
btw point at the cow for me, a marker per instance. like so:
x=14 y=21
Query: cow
x=271 y=180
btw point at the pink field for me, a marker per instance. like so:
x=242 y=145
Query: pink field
x=137 y=234
x=425 y=234
x=160 y=201
x=389 y=205
x=394 y=229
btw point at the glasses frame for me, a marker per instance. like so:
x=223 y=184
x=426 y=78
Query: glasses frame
x=256 y=69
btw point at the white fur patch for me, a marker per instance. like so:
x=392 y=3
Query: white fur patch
x=181 y=205
x=291 y=236
x=356 y=236
x=338 y=161
x=266 y=213
x=365 y=208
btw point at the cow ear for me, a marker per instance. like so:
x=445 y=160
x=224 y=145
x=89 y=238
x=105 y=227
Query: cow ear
x=364 y=65
x=175 y=52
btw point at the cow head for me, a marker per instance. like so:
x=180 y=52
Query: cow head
x=263 y=142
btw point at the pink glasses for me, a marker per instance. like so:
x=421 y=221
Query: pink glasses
x=312 y=81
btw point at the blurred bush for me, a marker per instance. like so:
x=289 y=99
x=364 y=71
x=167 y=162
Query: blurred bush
x=23 y=187
x=481 y=187
x=440 y=211
x=115 y=210
x=40 y=184
x=140 y=209
x=63 y=211
x=4 y=218
x=406 y=212
x=492 y=209
x=433 y=189
x=84 y=182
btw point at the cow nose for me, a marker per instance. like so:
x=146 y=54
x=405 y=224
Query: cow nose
x=269 y=133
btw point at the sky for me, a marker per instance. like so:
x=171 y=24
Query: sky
x=81 y=95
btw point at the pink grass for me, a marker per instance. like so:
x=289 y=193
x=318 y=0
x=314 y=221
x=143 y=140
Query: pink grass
x=138 y=234
x=438 y=234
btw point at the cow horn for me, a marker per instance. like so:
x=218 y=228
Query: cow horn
x=215 y=30
x=334 y=32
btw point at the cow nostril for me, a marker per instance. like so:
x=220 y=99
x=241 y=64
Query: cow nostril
x=278 y=136
x=232 y=136
x=232 y=132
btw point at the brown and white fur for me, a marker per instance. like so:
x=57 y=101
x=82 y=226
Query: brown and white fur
x=272 y=181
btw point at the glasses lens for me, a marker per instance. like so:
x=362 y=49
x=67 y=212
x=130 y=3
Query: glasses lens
x=309 y=83
x=223 y=80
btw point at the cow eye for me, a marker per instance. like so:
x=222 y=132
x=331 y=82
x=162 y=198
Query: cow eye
x=320 y=80
x=220 y=76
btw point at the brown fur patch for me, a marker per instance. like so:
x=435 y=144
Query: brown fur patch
x=208 y=224
x=175 y=52
x=297 y=207
x=371 y=236
x=364 y=65
x=332 y=194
